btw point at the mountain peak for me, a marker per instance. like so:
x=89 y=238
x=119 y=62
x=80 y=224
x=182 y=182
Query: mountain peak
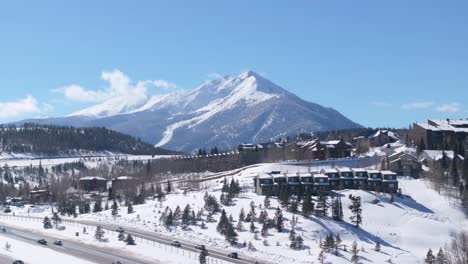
x=249 y=73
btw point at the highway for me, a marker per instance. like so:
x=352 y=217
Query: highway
x=165 y=240
x=5 y=260
x=73 y=248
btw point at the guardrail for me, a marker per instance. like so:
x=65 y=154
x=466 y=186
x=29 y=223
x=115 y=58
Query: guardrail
x=167 y=248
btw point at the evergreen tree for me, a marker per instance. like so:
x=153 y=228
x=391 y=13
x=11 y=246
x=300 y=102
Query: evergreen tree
x=264 y=231
x=354 y=252
x=240 y=226
x=121 y=236
x=284 y=195
x=168 y=187
x=355 y=207
x=430 y=258
x=177 y=213
x=186 y=215
x=307 y=204
x=129 y=240
x=421 y=146
x=292 y=239
x=46 y=223
x=293 y=207
x=56 y=219
x=99 y=233
x=223 y=223
x=97 y=206
x=115 y=209
x=202 y=256
x=252 y=227
x=454 y=171
x=337 y=210
x=279 y=220
x=267 y=202
x=322 y=206
x=130 y=208
x=441 y=258
x=231 y=235
x=225 y=187
x=263 y=217
x=299 y=242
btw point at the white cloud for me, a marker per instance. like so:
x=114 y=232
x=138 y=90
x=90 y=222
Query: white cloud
x=449 y=108
x=120 y=86
x=27 y=105
x=417 y=105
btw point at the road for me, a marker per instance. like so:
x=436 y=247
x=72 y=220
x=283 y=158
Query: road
x=165 y=240
x=186 y=245
x=73 y=248
x=5 y=260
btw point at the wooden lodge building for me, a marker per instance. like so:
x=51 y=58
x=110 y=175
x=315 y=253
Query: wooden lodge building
x=436 y=133
x=326 y=180
x=92 y=184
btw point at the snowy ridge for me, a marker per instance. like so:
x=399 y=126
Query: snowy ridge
x=220 y=112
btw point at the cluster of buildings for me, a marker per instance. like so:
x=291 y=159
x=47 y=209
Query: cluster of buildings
x=326 y=180
x=117 y=186
x=437 y=133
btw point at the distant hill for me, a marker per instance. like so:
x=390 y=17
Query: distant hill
x=61 y=140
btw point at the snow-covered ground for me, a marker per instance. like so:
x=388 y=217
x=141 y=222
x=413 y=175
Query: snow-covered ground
x=28 y=253
x=406 y=228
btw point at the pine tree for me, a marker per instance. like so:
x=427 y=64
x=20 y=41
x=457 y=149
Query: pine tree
x=307 y=205
x=278 y=220
x=203 y=225
x=293 y=207
x=56 y=219
x=377 y=246
x=430 y=258
x=231 y=235
x=252 y=227
x=267 y=202
x=202 y=256
x=223 y=223
x=186 y=215
x=168 y=187
x=322 y=206
x=354 y=252
x=115 y=209
x=130 y=208
x=421 y=146
x=355 y=207
x=263 y=217
x=97 y=206
x=121 y=236
x=299 y=242
x=240 y=226
x=292 y=239
x=46 y=223
x=129 y=240
x=454 y=171
x=264 y=231
x=441 y=258
x=284 y=195
x=337 y=210
x=99 y=233
x=177 y=213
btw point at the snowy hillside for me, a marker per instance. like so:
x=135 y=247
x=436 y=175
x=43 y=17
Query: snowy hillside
x=406 y=228
x=222 y=112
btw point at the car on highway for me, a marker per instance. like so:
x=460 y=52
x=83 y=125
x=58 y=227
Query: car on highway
x=42 y=241
x=233 y=255
x=200 y=247
x=119 y=230
x=18 y=262
x=176 y=243
x=58 y=243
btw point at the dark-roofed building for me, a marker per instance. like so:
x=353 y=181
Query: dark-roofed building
x=123 y=186
x=405 y=164
x=92 y=183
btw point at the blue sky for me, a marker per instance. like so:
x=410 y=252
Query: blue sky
x=379 y=63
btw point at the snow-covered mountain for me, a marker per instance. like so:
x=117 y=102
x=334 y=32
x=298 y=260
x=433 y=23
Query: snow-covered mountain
x=222 y=112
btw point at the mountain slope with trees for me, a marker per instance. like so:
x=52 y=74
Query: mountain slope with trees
x=58 y=140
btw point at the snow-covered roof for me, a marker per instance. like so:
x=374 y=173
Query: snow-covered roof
x=389 y=133
x=345 y=169
x=89 y=178
x=460 y=125
x=388 y=172
x=359 y=170
x=320 y=175
x=330 y=170
x=123 y=178
x=373 y=171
